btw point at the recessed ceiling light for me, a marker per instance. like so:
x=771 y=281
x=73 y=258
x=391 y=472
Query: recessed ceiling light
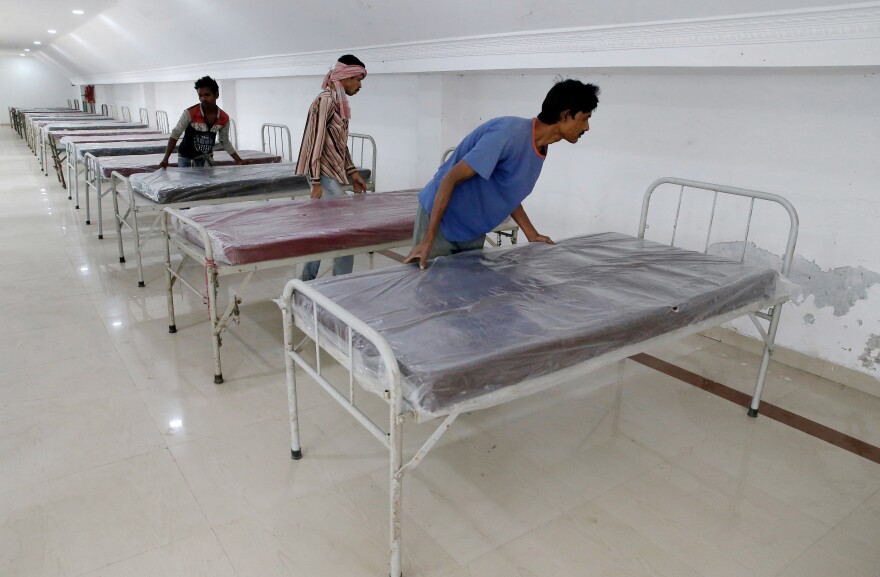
x=52 y=31
x=78 y=12
x=22 y=54
x=27 y=49
x=37 y=42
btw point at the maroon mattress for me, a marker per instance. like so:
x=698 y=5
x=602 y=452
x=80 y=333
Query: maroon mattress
x=251 y=232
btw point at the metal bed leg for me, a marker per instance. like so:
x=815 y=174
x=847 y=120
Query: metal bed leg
x=137 y=248
x=98 y=180
x=75 y=183
x=290 y=368
x=395 y=509
x=117 y=219
x=169 y=278
x=765 y=360
x=69 y=178
x=212 y=280
x=87 y=172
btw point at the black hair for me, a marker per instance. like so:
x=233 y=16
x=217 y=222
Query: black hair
x=208 y=82
x=351 y=60
x=572 y=95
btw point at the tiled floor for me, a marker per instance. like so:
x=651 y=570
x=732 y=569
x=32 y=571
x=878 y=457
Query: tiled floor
x=120 y=457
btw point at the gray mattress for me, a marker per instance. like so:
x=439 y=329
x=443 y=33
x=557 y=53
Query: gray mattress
x=476 y=323
x=118 y=148
x=192 y=184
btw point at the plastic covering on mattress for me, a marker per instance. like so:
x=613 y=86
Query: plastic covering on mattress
x=115 y=148
x=477 y=323
x=186 y=184
x=87 y=136
x=138 y=163
x=249 y=232
x=46 y=128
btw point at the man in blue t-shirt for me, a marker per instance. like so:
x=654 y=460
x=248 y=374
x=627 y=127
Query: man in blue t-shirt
x=507 y=153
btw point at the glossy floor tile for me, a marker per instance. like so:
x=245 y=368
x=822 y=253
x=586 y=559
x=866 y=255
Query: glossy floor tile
x=120 y=457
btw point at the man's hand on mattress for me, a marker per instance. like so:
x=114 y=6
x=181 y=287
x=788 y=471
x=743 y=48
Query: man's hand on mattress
x=317 y=191
x=357 y=183
x=541 y=238
x=163 y=164
x=419 y=253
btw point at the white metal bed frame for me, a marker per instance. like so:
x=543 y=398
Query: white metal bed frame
x=392 y=439
x=74 y=168
x=276 y=140
x=162 y=122
x=145 y=116
x=135 y=204
x=204 y=256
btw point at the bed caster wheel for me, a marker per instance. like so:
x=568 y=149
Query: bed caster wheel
x=296 y=455
x=69 y=198
x=753 y=413
x=76 y=207
x=141 y=283
x=100 y=237
x=218 y=379
x=88 y=222
x=121 y=259
x=172 y=329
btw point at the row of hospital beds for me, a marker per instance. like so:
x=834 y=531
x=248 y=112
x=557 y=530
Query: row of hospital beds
x=474 y=330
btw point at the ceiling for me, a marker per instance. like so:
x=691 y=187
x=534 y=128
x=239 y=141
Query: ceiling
x=25 y=21
x=132 y=35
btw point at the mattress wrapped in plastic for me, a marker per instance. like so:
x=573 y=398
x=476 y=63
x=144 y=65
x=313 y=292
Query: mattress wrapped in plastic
x=138 y=163
x=81 y=137
x=47 y=127
x=476 y=323
x=186 y=184
x=249 y=232
x=114 y=148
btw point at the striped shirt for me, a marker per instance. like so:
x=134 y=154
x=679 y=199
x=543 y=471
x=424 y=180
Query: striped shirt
x=324 y=148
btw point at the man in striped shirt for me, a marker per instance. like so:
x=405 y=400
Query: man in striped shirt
x=323 y=155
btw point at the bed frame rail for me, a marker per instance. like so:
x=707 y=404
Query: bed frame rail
x=768 y=335
x=276 y=140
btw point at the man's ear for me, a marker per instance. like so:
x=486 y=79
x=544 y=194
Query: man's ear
x=565 y=114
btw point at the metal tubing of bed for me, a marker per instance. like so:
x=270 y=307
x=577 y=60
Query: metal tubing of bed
x=133 y=210
x=126 y=114
x=271 y=134
x=394 y=440
x=162 y=122
x=352 y=138
x=769 y=336
x=145 y=116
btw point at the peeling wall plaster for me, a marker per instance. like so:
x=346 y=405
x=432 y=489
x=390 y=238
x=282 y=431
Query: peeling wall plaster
x=839 y=287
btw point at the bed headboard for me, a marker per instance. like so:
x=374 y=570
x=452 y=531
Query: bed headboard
x=276 y=140
x=716 y=190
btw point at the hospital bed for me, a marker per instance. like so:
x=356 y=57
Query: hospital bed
x=246 y=238
x=149 y=194
x=44 y=129
x=32 y=124
x=483 y=328
x=60 y=142
x=87 y=153
x=100 y=166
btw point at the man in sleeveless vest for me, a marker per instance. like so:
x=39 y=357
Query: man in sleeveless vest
x=200 y=125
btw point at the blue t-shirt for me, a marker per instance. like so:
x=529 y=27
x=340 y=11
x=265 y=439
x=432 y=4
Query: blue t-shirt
x=503 y=154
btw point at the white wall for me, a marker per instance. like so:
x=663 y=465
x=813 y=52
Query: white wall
x=31 y=83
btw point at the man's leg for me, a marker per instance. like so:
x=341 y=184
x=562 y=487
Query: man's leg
x=332 y=189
